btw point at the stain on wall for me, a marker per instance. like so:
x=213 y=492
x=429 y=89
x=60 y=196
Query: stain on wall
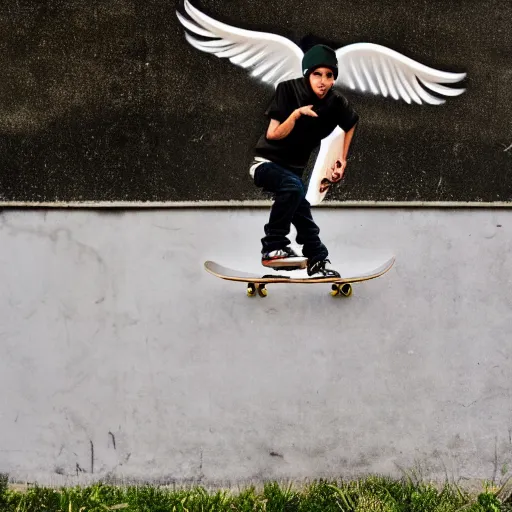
x=108 y=101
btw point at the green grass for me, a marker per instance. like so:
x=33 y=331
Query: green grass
x=371 y=494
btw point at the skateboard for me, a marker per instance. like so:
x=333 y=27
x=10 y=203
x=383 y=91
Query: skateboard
x=257 y=283
x=330 y=151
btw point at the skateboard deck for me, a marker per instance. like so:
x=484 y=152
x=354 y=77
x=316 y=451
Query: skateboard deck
x=256 y=283
x=331 y=149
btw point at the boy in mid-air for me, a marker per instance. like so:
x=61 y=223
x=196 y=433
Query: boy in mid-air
x=303 y=112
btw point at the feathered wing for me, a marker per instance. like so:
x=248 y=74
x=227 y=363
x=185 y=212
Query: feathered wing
x=370 y=67
x=271 y=58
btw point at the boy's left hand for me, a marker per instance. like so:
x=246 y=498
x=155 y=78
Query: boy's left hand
x=339 y=170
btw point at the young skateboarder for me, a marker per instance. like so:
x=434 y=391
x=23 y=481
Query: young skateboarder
x=303 y=112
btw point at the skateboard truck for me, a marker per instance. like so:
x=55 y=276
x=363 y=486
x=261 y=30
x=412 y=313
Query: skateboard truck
x=252 y=288
x=344 y=289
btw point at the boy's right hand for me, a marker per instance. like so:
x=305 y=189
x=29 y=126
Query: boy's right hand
x=306 y=111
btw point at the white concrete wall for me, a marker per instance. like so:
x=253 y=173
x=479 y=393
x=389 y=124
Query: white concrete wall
x=120 y=356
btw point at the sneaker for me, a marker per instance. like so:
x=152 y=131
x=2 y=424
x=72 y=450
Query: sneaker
x=283 y=258
x=321 y=269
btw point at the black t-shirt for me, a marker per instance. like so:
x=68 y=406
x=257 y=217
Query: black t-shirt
x=293 y=151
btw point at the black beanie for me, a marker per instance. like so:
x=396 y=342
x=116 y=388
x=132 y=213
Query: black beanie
x=319 y=56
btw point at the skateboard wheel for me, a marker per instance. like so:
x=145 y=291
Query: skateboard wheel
x=346 y=289
x=251 y=290
x=262 y=291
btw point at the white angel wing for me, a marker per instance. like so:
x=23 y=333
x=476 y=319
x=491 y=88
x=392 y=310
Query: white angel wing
x=272 y=58
x=370 y=67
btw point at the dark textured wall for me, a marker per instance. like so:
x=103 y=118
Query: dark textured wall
x=106 y=101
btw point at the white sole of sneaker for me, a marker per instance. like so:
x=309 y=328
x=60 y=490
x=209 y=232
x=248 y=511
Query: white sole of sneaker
x=298 y=263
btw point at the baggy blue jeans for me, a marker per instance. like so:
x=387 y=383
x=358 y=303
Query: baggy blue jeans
x=290 y=207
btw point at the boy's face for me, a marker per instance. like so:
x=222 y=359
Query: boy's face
x=321 y=81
